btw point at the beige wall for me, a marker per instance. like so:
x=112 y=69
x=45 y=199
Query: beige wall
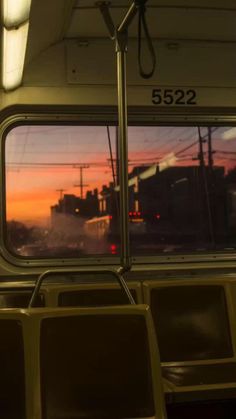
x=85 y=73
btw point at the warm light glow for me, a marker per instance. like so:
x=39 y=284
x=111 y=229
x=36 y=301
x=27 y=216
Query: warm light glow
x=32 y=190
x=151 y=171
x=15 y=12
x=230 y=134
x=168 y=161
x=14 y=46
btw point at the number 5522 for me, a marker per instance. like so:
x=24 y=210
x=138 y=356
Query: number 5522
x=174 y=97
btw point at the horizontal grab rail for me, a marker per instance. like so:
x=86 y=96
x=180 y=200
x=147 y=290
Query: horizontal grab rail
x=117 y=274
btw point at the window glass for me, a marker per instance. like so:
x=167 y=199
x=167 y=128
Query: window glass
x=58 y=180
x=182 y=188
x=62 y=190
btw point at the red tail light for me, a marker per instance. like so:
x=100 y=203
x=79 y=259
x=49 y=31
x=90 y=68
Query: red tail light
x=113 y=249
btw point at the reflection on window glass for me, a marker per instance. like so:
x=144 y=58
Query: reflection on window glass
x=182 y=189
x=62 y=190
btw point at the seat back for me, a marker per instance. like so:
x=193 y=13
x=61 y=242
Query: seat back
x=18 y=299
x=191 y=320
x=12 y=366
x=90 y=295
x=99 y=363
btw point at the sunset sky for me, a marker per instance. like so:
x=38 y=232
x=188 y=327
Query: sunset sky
x=41 y=160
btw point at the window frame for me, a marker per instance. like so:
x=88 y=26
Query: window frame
x=92 y=115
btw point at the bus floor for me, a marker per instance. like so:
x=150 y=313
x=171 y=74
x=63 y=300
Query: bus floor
x=216 y=409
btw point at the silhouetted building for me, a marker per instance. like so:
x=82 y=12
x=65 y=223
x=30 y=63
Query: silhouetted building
x=74 y=206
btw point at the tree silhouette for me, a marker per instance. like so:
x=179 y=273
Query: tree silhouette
x=18 y=234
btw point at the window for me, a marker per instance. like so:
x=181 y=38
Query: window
x=62 y=190
x=182 y=188
x=59 y=184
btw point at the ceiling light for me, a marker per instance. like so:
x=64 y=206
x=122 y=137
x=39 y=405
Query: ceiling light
x=15 y=12
x=14 y=46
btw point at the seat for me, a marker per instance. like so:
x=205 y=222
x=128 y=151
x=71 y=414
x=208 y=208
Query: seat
x=60 y=363
x=90 y=295
x=98 y=363
x=12 y=364
x=12 y=298
x=193 y=322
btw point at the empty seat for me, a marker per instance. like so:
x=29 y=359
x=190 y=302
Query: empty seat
x=12 y=366
x=90 y=295
x=193 y=328
x=99 y=363
x=79 y=363
x=191 y=322
x=18 y=299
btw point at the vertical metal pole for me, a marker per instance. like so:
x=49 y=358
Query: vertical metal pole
x=121 y=48
x=121 y=36
x=117 y=157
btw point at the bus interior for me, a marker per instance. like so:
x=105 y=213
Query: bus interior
x=118 y=209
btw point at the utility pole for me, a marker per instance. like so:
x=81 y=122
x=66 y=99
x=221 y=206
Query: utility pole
x=81 y=184
x=210 y=159
x=201 y=154
x=61 y=192
x=205 y=179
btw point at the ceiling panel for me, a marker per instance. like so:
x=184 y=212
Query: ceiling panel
x=48 y=22
x=51 y=21
x=164 y=22
x=188 y=3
